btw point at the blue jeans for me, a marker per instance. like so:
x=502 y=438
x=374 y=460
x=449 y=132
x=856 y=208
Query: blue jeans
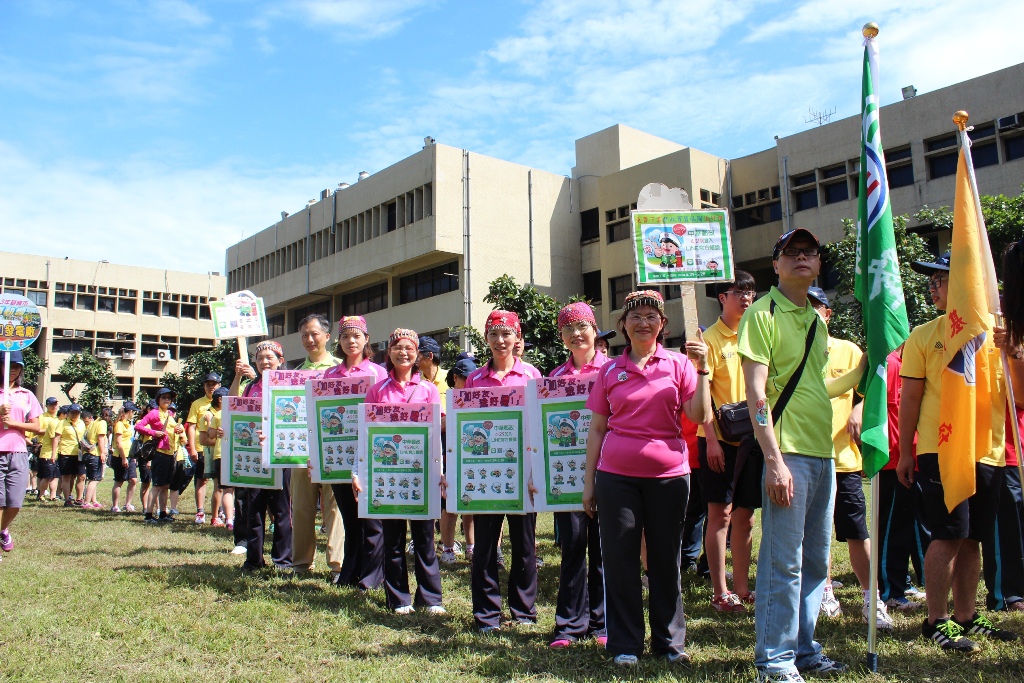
x=792 y=566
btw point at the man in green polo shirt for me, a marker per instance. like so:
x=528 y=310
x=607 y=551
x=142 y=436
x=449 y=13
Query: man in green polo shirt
x=782 y=338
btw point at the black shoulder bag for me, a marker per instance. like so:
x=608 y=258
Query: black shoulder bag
x=787 y=391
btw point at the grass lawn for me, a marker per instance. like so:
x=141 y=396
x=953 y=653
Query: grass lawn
x=88 y=596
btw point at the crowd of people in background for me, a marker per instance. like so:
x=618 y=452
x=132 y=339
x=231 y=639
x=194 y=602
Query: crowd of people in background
x=673 y=480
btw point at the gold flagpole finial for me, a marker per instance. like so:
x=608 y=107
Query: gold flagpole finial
x=870 y=30
x=960 y=119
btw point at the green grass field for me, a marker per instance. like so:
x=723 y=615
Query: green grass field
x=87 y=596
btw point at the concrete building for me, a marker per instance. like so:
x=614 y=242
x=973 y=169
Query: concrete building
x=145 y=321
x=416 y=244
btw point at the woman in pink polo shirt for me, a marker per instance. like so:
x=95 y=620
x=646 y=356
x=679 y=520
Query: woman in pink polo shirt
x=256 y=503
x=19 y=413
x=504 y=369
x=637 y=477
x=404 y=385
x=579 y=611
x=363 y=561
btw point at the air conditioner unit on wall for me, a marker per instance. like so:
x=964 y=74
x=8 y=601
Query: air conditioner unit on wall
x=104 y=353
x=68 y=333
x=128 y=354
x=1011 y=122
x=163 y=355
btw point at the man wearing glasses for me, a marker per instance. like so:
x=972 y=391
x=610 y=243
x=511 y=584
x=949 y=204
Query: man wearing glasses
x=953 y=558
x=783 y=343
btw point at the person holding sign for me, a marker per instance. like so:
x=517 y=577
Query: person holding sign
x=637 y=475
x=19 y=413
x=505 y=369
x=269 y=356
x=405 y=385
x=580 y=609
x=364 y=549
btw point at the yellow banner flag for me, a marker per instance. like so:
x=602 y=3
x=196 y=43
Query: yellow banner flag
x=968 y=382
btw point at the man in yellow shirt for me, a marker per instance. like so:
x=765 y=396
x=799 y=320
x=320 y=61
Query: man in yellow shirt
x=47 y=474
x=69 y=433
x=94 y=457
x=200 y=407
x=729 y=483
x=850 y=513
x=953 y=558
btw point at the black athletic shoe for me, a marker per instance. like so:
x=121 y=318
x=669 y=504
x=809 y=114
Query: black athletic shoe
x=983 y=626
x=949 y=636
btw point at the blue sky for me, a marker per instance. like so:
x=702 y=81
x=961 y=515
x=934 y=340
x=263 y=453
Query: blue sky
x=195 y=123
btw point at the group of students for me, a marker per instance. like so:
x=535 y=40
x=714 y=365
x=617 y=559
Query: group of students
x=664 y=477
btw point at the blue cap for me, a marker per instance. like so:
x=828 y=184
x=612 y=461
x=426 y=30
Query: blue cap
x=74 y=408
x=818 y=294
x=51 y=401
x=610 y=334
x=464 y=367
x=173 y=406
x=785 y=239
x=220 y=391
x=940 y=264
x=465 y=355
x=128 y=405
x=212 y=377
x=151 y=405
x=164 y=390
x=430 y=345
x=16 y=358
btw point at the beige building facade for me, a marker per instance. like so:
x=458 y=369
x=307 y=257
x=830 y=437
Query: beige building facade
x=143 y=321
x=416 y=244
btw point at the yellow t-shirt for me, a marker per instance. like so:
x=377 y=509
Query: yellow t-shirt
x=70 y=435
x=122 y=438
x=49 y=424
x=843 y=356
x=923 y=358
x=210 y=420
x=441 y=382
x=93 y=432
x=725 y=371
x=172 y=439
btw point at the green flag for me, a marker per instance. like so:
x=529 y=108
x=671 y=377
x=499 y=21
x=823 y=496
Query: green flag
x=878 y=287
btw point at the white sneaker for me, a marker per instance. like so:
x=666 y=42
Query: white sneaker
x=436 y=610
x=239 y=550
x=174 y=511
x=447 y=557
x=830 y=606
x=129 y=508
x=200 y=518
x=115 y=509
x=404 y=609
x=882 y=618
x=457 y=549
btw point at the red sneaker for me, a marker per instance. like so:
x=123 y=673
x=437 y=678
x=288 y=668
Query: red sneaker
x=728 y=602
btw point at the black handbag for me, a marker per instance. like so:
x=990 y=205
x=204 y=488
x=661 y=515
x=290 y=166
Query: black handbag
x=148 y=449
x=734 y=421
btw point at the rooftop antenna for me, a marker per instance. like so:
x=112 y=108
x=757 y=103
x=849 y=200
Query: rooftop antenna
x=822 y=117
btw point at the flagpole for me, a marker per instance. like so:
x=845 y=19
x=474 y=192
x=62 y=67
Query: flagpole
x=960 y=119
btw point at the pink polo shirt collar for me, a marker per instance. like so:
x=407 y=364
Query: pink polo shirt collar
x=568 y=368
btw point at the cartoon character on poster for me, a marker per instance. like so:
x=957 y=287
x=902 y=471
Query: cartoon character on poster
x=663 y=247
x=475 y=437
x=562 y=429
x=385 y=449
x=245 y=434
x=332 y=420
x=286 y=409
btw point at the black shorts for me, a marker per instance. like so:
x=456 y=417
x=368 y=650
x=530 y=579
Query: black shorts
x=45 y=469
x=122 y=473
x=974 y=518
x=93 y=467
x=161 y=468
x=70 y=465
x=850 y=514
x=145 y=474
x=216 y=473
x=740 y=489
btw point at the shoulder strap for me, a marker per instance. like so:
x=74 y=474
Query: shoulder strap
x=787 y=391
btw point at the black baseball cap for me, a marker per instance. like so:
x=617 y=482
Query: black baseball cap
x=818 y=294
x=788 y=236
x=430 y=345
x=940 y=264
x=164 y=390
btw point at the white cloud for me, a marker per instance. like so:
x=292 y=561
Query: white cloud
x=358 y=19
x=181 y=12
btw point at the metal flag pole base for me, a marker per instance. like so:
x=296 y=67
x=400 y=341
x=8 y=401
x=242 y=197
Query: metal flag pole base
x=872 y=662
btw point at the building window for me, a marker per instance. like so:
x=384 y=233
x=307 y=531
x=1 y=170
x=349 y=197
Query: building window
x=942 y=165
x=126 y=306
x=275 y=325
x=757 y=215
x=368 y=300
x=984 y=155
x=834 y=172
x=106 y=304
x=188 y=311
x=804 y=179
x=737 y=201
x=392 y=217
x=805 y=199
x=38 y=298
x=837 y=192
x=983 y=131
x=427 y=283
x=944 y=142
x=776 y=192
x=591 y=225
x=1013 y=148
x=169 y=310
x=204 y=312
x=150 y=308
x=619 y=287
x=618 y=231
x=592 y=286
x=319 y=308
x=71 y=345
x=86 y=302
x=899 y=168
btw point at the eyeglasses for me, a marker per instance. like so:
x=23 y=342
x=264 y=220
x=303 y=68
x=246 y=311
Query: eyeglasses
x=793 y=252
x=936 y=282
x=745 y=294
x=637 y=319
x=580 y=327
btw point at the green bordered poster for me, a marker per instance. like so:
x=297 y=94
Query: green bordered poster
x=682 y=246
x=241 y=455
x=559 y=424
x=399 y=463
x=333 y=409
x=239 y=314
x=488 y=466
x=284 y=417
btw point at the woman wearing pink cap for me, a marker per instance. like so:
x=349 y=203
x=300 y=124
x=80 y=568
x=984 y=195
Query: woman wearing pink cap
x=579 y=612
x=363 y=561
x=404 y=385
x=504 y=370
x=637 y=476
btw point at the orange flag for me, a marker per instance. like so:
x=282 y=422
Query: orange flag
x=968 y=382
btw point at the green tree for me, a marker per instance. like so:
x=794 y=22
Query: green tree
x=538 y=316
x=188 y=383
x=94 y=373
x=34 y=367
x=847 y=321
